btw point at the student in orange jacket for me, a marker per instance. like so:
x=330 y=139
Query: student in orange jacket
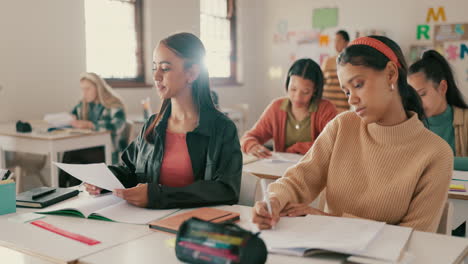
x=295 y=121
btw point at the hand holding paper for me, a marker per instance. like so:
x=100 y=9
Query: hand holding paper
x=96 y=174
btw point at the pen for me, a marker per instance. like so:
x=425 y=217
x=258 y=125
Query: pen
x=43 y=193
x=266 y=197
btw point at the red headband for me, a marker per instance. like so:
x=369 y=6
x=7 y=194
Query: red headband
x=378 y=45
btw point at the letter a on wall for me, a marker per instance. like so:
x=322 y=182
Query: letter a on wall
x=435 y=16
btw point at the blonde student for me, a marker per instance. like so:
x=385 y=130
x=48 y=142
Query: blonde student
x=379 y=162
x=187 y=155
x=445 y=107
x=100 y=109
x=295 y=121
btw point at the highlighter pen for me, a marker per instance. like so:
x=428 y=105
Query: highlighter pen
x=266 y=196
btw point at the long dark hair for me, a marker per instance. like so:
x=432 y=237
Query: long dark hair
x=190 y=48
x=309 y=70
x=436 y=68
x=367 y=56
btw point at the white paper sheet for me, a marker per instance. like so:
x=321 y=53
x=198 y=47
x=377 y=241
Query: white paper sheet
x=339 y=234
x=96 y=174
x=389 y=244
x=285 y=157
x=460 y=175
x=59 y=119
x=274 y=166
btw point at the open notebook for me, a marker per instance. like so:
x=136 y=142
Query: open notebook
x=305 y=236
x=107 y=207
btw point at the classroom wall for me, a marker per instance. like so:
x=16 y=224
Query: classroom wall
x=42 y=49
x=42 y=53
x=41 y=57
x=398 y=18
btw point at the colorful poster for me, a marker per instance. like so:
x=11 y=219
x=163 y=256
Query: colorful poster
x=450 y=32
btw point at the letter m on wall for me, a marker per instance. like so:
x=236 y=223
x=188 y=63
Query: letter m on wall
x=435 y=16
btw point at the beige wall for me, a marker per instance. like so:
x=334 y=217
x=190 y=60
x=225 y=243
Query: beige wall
x=42 y=53
x=42 y=48
x=398 y=18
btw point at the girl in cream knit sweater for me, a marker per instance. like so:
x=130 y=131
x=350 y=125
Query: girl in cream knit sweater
x=378 y=162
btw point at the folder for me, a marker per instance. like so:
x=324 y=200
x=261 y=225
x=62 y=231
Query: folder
x=7 y=197
x=172 y=224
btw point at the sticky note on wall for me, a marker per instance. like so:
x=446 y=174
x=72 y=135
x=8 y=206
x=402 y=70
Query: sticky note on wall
x=324 y=40
x=323 y=18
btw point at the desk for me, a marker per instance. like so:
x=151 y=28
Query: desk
x=138 y=244
x=427 y=248
x=51 y=144
x=273 y=171
x=27 y=240
x=265 y=169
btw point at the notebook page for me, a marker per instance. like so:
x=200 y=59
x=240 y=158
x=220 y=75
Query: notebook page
x=460 y=175
x=84 y=204
x=389 y=244
x=340 y=234
x=96 y=174
x=126 y=213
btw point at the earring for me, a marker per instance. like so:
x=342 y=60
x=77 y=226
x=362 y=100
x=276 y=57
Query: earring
x=393 y=86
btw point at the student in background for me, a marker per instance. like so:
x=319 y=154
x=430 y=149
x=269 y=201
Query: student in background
x=189 y=154
x=295 y=121
x=100 y=109
x=331 y=88
x=443 y=102
x=378 y=162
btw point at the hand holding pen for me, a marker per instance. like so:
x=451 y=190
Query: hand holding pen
x=266 y=213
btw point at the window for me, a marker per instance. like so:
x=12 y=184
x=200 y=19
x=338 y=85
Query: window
x=114 y=47
x=218 y=33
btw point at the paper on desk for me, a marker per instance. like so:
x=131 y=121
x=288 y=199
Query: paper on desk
x=96 y=174
x=460 y=175
x=59 y=119
x=388 y=245
x=279 y=157
x=338 y=234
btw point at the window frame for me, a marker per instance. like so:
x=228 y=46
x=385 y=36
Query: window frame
x=232 y=79
x=139 y=81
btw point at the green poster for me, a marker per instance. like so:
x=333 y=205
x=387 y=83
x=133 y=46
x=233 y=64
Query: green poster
x=323 y=18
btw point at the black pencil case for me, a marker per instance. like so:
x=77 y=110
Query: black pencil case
x=203 y=242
